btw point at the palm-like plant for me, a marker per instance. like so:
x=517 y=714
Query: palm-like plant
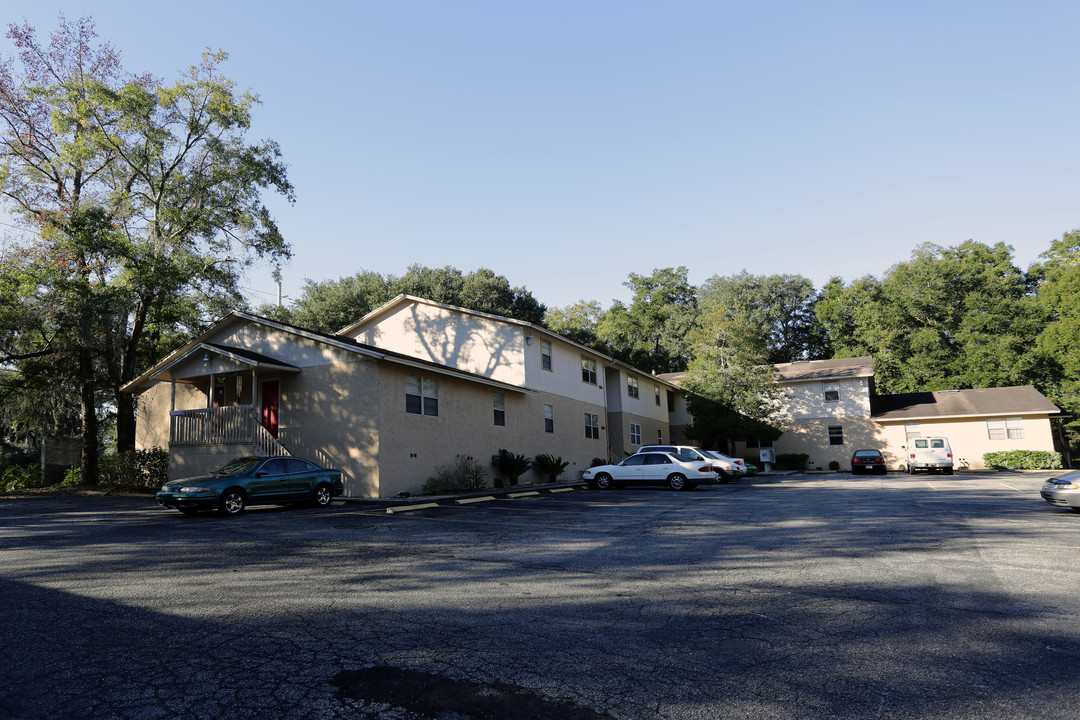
x=511 y=465
x=550 y=466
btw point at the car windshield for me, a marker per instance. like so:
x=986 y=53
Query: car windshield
x=239 y=466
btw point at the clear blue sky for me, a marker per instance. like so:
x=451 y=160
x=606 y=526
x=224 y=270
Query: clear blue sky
x=566 y=145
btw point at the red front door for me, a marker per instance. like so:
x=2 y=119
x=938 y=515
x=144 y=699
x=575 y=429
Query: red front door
x=269 y=416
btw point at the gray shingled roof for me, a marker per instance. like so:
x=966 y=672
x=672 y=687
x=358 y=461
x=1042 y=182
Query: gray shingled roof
x=825 y=369
x=1021 y=400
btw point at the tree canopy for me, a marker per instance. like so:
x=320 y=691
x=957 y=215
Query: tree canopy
x=330 y=305
x=142 y=205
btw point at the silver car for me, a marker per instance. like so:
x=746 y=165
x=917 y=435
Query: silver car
x=1063 y=491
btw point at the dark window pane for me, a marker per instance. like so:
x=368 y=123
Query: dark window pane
x=412 y=404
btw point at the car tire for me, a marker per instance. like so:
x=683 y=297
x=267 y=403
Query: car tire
x=911 y=469
x=323 y=495
x=603 y=481
x=678 y=482
x=232 y=502
x=948 y=471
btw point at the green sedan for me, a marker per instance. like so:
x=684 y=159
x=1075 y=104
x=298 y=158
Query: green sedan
x=253 y=481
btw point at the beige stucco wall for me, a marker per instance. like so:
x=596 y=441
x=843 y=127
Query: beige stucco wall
x=476 y=344
x=807 y=400
x=412 y=447
x=970 y=438
x=329 y=415
x=652 y=430
x=811 y=436
x=152 y=413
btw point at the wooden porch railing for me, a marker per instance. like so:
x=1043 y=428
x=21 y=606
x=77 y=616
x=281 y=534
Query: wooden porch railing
x=232 y=425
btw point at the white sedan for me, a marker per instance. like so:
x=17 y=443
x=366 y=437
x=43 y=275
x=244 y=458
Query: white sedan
x=651 y=468
x=1063 y=491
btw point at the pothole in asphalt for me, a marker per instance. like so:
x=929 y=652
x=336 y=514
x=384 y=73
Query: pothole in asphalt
x=435 y=695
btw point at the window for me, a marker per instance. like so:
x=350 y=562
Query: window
x=1005 y=428
x=545 y=355
x=588 y=371
x=421 y=396
x=592 y=426
x=549 y=418
x=635 y=434
x=832 y=390
x=499 y=404
x=632 y=387
x=836 y=435
x=656 y=392
x=660 y=436
x=657 y=459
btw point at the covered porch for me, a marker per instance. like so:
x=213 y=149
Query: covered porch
x=238 y=393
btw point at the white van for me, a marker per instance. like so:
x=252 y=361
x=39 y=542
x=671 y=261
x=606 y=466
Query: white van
x=930 y=453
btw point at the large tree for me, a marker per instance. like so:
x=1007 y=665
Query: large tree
x=1057 y=279
x=653 y=332
x=146 y=196
x=949 y=318
x=330 y=305
x=731 y=392
x=778 y=310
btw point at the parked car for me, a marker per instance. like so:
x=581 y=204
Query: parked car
x=652 y=468
x=253 y=481
x=866 y=461
x=729 y=468
x=930 y=453
x=1063 y=491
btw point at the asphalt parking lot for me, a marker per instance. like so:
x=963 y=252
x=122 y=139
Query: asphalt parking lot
x=816 y=596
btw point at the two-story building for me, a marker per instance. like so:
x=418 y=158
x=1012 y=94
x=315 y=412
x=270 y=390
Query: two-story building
x=391 y=398
x=828 y=410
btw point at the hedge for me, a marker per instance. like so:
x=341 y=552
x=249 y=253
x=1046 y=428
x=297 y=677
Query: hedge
x=1023 y=460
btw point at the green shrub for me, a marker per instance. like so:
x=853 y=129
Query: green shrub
x=550 y=466
x=462 y=475
x=72 y=476
x=19 y=476
x=834 y=465
x=792 y=461
x=511 y=465
x=1023 y=460
x=597 y=462
x=136 y=470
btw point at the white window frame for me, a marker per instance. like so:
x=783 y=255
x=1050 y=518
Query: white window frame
x=1005 y=428
x=545 y=355
x=498 y=404
x=592 y=426
x=588 y=370
x=836 y=435
x=831 y=387
x=633 y=388
x=635 y=434
x=549 y=418
x=427 y=390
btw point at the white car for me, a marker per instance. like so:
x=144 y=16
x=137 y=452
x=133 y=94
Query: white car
x=733 y=467
x=652 y=468
x=726 y=467
x=1063 y=491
